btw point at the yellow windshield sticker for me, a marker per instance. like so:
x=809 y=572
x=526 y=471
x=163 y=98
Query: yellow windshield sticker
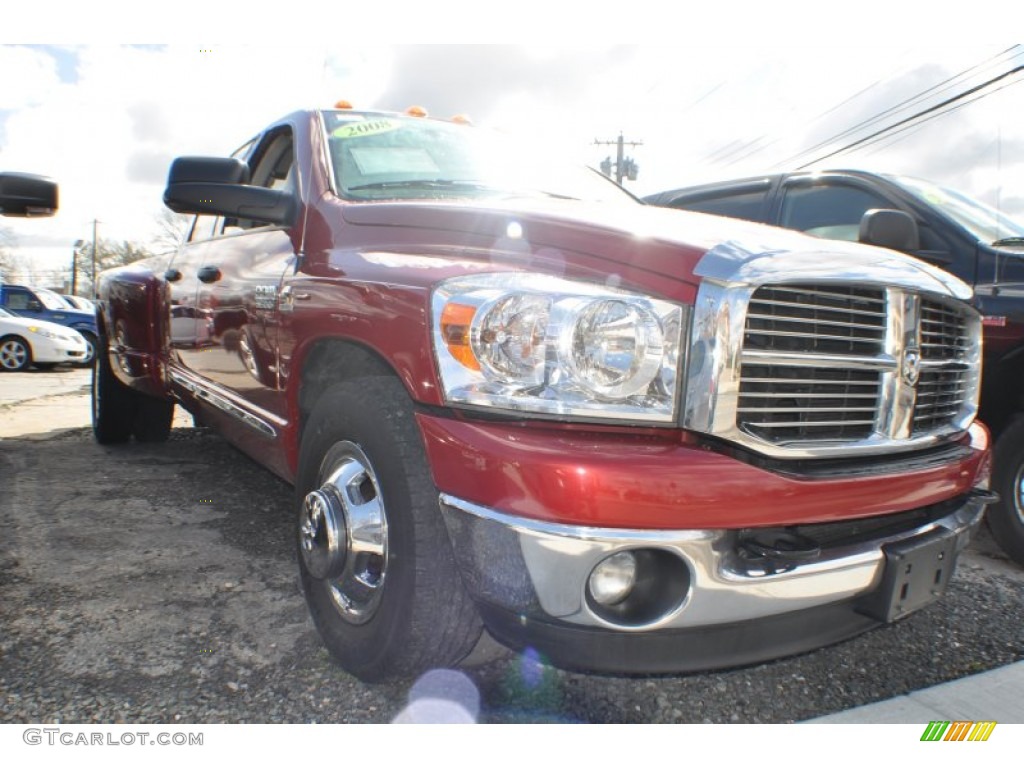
x=364 y=128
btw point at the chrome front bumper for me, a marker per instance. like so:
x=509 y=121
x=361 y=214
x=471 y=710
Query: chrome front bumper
x=539 y=571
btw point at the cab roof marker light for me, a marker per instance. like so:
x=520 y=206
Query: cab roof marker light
x=461 y=119
x=343 y=104
x=416 y=111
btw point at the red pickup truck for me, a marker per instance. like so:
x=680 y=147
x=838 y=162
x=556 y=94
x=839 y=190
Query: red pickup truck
x=511 y=396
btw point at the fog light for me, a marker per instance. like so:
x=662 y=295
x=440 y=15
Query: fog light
x=613 y=578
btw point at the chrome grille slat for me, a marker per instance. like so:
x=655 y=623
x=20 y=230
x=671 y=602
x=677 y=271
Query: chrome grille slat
x=811 y=395
x=817 y=292
x=819 y=307
x=804 y=424
x=796 y=335
x=806 y=410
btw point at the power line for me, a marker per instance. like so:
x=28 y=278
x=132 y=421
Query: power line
x=933 y=90
x=728 y=153
x=929 y=110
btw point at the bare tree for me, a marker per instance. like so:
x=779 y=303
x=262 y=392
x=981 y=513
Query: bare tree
x=171 y=231
x=109 y=254
x=11 y=267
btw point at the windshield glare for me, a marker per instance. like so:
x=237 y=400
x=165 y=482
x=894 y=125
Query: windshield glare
x=51 y=300
x=982 y=221
x=387 y=157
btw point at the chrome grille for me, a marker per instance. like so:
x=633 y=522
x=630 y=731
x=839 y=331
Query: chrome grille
x=836 y=320
x=846 y=364
x=779 y=402
x=944 y=334
x=940 y=395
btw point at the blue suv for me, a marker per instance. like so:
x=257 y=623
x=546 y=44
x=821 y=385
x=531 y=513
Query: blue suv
x=43 y=304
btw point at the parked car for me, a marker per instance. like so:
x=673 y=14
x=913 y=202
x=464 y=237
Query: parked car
x=511 y=396
x=981 y=246
x=44 y=304
x=26 y=342
x=80 y=303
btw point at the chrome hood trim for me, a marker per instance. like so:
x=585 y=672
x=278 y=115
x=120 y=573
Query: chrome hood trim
x=738 y=263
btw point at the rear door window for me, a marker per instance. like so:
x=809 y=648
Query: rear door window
x=748 y=203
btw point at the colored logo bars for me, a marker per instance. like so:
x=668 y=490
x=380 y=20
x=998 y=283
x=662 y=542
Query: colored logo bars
x=959 y=730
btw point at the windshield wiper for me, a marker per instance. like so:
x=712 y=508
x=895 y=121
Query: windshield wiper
x=1009 y=241
x=420 y=184
x=454 y=185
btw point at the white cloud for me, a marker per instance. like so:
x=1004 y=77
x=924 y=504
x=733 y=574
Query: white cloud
x=30 y=76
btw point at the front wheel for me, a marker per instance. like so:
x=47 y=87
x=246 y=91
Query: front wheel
x=376 y=564
x=15 y=354
x=91 y=344
x=1006 y=518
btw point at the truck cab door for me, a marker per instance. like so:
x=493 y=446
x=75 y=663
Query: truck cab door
x=238 y=284
x=189 y=333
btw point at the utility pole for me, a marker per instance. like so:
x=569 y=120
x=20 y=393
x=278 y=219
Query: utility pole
x=625 y=167
x=74 y=266
x=94 y=223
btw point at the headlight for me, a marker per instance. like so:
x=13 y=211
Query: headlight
x=528 y=342
x=43 y=332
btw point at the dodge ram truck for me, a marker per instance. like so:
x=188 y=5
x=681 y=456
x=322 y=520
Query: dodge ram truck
x=512 y=397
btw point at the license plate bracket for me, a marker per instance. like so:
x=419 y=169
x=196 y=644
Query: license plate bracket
x=917 y=572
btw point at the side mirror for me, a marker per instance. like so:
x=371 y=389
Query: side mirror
x=26 y=194
x=220 y=186
x=889 y=229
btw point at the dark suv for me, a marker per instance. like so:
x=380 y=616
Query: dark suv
x=43 y=304
x=941 y=226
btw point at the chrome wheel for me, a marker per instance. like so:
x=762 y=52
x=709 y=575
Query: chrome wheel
x=375 y=560
x=14 y=355
x=1018 y=494
x=343 y=533
x=90 y=349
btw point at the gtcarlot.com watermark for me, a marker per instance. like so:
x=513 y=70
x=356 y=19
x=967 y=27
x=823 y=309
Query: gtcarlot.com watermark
x=73 y=738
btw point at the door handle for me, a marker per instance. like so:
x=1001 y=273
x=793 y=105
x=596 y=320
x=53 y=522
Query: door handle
x=209 y=275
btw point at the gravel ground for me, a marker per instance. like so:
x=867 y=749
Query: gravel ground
x=156 y=584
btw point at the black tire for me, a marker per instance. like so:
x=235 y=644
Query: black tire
x=15 y=354
x=410 y=612
x=1006 y=518
x=91 y=345
x=153 y=419
x=114 y=406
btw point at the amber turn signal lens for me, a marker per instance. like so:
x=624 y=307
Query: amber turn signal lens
x=456 y=320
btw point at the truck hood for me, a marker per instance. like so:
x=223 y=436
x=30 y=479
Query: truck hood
x=681 y=245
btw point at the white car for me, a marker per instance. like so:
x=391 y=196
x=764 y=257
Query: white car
x=25 y=342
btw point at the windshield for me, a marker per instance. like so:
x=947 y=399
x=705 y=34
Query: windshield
x=387 y=157
x=51 y=300
x=982 y=221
